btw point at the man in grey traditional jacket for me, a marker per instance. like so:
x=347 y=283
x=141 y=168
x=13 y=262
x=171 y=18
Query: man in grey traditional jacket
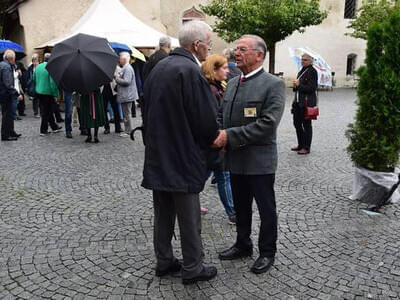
x=252 y=109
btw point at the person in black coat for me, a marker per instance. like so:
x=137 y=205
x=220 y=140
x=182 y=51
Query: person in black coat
x=152 y=61
x=179 y=125
x=305 y=87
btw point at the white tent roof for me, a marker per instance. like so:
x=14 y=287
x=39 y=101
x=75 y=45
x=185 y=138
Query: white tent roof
x=110 y=19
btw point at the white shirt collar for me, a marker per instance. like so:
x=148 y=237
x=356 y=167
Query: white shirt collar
x=197 y=60
x=248 y=75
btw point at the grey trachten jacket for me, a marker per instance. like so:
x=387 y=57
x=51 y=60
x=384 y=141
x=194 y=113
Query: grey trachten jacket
x=252 y=148
x=6 y=81
x=126 y=85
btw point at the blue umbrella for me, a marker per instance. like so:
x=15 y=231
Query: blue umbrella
x=118 y=47
x=6 y=44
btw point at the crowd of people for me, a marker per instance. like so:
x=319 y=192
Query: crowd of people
x=202 y=114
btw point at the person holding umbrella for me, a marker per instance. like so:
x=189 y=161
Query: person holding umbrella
x=305 y=87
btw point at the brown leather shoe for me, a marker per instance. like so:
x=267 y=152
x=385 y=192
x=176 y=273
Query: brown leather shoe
x=303 y=152
x=297 y=148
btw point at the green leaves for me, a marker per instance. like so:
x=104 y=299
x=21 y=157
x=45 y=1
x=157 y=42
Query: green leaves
x=375 y=135
x=371 y=12
x=273 y=20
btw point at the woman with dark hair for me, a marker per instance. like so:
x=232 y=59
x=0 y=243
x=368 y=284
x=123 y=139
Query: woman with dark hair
x=305 y=87
x=215 y=69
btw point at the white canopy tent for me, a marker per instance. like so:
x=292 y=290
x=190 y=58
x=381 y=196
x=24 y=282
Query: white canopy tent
x=110 y=19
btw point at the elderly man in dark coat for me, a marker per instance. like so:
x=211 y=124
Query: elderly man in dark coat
x=156 y=57
x=7 y=92
x=252 y=109
x=179 y=124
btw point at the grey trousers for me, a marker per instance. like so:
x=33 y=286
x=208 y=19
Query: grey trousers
x=168 y=206
x=127 y=112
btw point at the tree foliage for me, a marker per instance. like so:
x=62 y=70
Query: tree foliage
x=375 y=135
x=372 y=11
x=273 y=20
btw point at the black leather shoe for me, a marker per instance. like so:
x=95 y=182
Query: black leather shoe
x=14 y=134
x=206 y=274
x=107 y=131
x=176 y=266
x=262 y=264
x=10 y=138
x=234 y=253
x=88 y=139
x=68 y=135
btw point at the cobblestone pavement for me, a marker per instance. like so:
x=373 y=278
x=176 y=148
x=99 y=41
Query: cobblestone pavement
x=75 y=223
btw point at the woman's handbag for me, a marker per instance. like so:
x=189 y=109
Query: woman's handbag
x=310 y=112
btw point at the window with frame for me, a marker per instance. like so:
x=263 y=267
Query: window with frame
x=350 y=8
x=351 y=64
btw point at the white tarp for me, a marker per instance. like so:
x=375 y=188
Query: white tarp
x=110 y=19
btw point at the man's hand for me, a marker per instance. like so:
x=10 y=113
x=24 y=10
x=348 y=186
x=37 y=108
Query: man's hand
x=20 y=98
x=296 y=82
x=221 y=140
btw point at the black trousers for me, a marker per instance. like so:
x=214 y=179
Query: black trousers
x=117 y=119
x=35 y=105
x=303 y=128
x=56 y=111
x=21 y=107
x=261 y=188
x=46 y=110
x=7 y=120
x=186 y=207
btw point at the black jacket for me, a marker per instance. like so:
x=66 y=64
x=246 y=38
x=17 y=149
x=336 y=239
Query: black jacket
x=179 y=125
x=307 y=88
x=152 y=61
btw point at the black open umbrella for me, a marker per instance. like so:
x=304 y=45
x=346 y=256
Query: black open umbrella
x=82 y=63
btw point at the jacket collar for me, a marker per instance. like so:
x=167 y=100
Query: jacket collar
x=252 y=76
x=183 y=52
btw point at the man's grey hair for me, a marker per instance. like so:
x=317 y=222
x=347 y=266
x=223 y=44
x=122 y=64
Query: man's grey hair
x=229 y=53
x=8 y=54
x=125 y=55
x=35 y=57
x=258 y=43
x=47 y=56
x=165 y=41
x=193 y=31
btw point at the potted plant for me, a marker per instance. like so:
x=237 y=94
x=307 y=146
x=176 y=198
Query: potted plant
x=375 y=134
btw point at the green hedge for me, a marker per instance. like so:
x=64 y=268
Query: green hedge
x=375 y=135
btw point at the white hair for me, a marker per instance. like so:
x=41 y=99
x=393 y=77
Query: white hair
x=8 y=54
x=164 y=41
x=193 y=31
x=229 y=53
x=258 y=43
x=47 y=56
x=308 y=56
x=125 y=55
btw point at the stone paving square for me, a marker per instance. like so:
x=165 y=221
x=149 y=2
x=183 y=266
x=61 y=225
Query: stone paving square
x=75 y=223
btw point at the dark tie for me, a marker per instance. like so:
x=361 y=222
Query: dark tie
x=242 y=79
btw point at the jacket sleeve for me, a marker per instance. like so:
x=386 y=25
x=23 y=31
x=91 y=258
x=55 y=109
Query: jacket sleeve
x=266 y=123
x=201 y=112
x=311 y=85
x=126 y=78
